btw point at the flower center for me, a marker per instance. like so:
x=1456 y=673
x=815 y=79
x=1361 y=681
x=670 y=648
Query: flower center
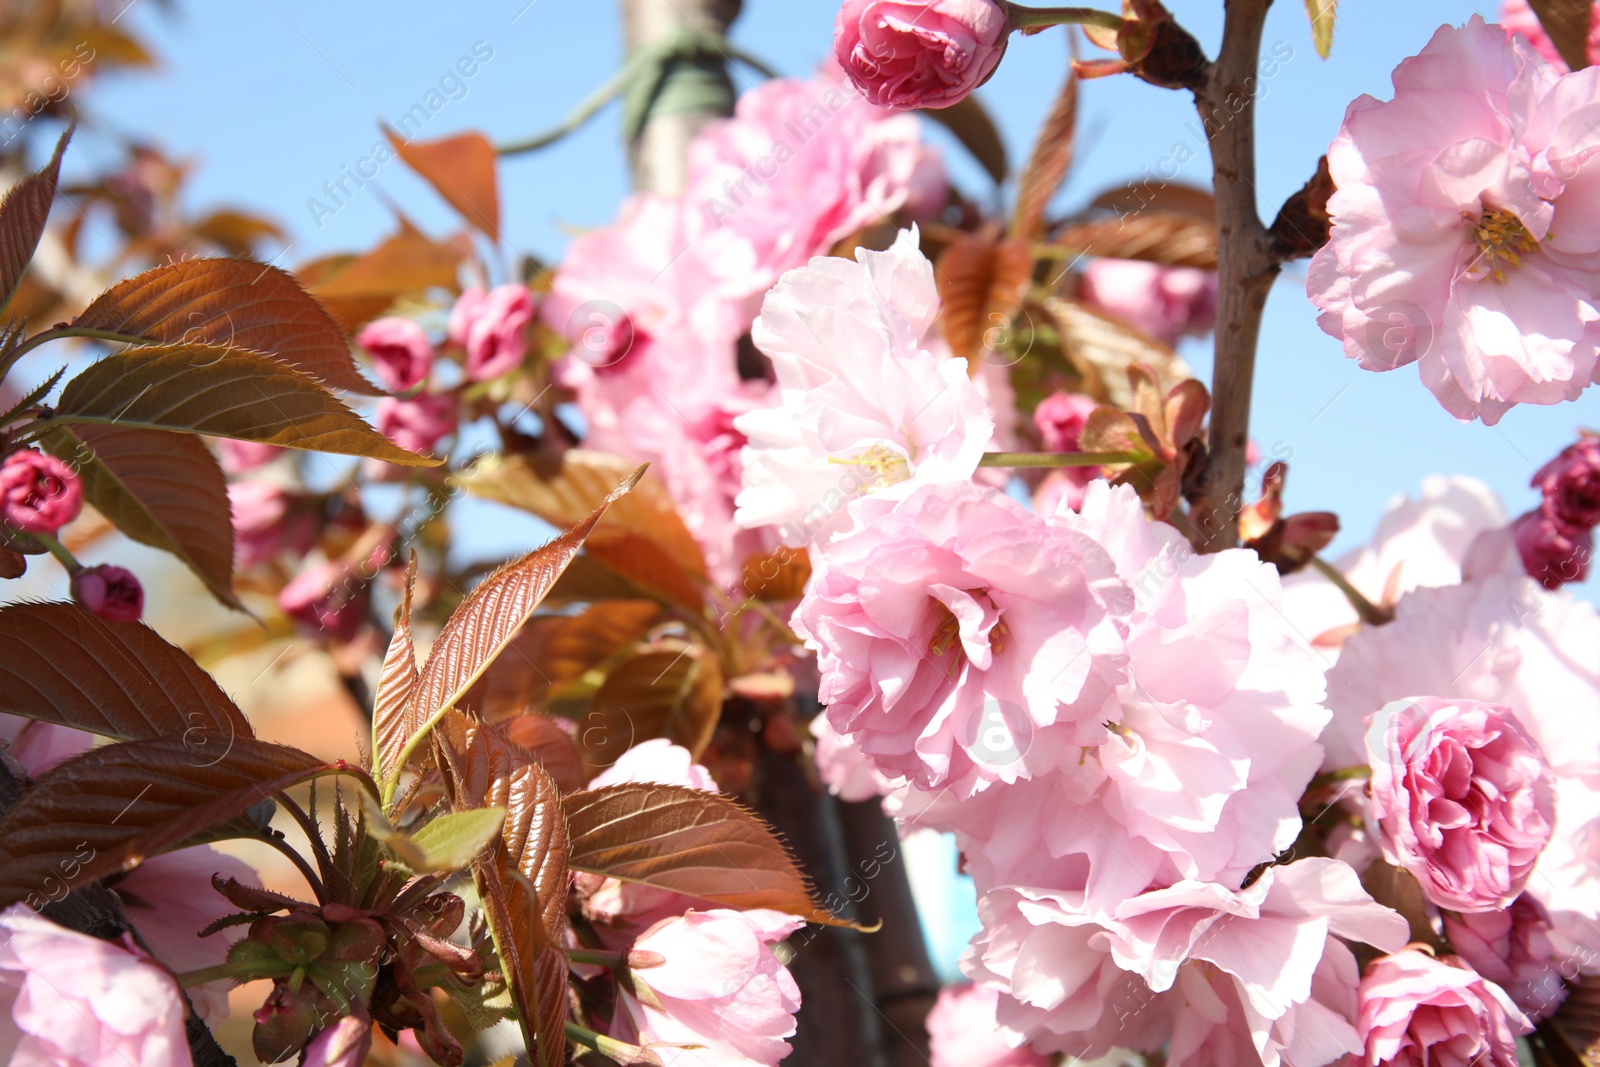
x=886 y=466
x=1502 y=240
x=947 y=633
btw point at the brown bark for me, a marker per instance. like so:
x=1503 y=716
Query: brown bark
x=1246 y=266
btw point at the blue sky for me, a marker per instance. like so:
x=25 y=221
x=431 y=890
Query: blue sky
x=273 y=97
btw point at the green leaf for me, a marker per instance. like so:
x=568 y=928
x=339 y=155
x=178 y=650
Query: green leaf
x=1322 y=14
x=444 y=844
x=163 y=490
x=223 y=392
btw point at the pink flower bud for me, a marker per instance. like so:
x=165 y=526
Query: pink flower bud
x=1463 y=798
x=491 y=327
x=268 y=520
x=1418 y=1010
x=38 y=493
x=401 y=354
x=1061 y=419
x=1552 y=552
x=1512 y=948
x=113 y=593
x=416 y=425
x=1571 y=485
x=904 y=54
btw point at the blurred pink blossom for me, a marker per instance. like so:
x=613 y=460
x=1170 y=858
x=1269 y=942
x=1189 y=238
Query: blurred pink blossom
x=1511 y=947
x=267 y=520
x=38 y=493
x=169 y=899
x=720 y=988
x=490 y=327
x=1552 y=552
x=418 y=424
x=962 y=1032
x=1570 y=484
x=241 y=457
x=400 y=351
x=344 y=1044
x=1517 y=17
x=1161 y=302
x=39 y=746
x=70 y=1000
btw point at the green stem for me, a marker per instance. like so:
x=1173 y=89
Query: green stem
x=61 y=332
x=1038 y=18
x=190 y=979
x=1057 y=459
x=59 y=551
x=1370 y=613
x=597 y=957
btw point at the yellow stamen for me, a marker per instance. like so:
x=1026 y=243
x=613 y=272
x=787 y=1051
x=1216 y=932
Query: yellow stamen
x=1502 y=239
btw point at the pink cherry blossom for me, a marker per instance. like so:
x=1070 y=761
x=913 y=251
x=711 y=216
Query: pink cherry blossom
x=657 y=760
x=38 y=493
x=70 y=1000
x=1516 y=16
x=38 y=746
x=1162 y=302
x=490 y=328
x=1421 y=541
x=111 y=592
x=844 y=768
x=800 y=167
x=1503 y=639
x=1261 y=971
x=1418 y=1011
x=416 y=425
x=963 y=641
x=962 y=1032
x=720 y=988
x=907 y=54
x=863 y=409
x=400 y=351
x=1570 y=484
x=1463 y=238
x=1463 y=798
x=1511 y=948
x=170 y=899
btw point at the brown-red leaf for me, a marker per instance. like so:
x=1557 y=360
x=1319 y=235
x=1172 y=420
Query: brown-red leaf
x=61 y=664
x=23 y=214
x=233 y=303
x=687 y=841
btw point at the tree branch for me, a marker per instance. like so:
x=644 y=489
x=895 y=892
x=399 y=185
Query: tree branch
x=1246 y=266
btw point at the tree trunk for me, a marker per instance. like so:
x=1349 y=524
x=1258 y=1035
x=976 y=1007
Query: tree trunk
x=657 y=156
